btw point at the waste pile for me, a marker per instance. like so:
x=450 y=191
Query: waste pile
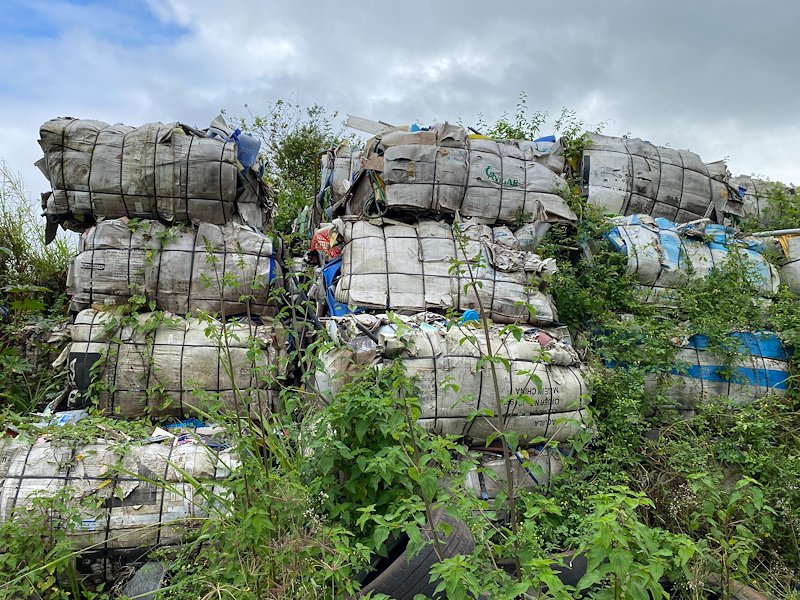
x=423 y=248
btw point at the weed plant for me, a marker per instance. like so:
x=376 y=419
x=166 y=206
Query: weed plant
x=32 y=298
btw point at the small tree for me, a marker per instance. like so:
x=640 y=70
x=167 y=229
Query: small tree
x=293 y=138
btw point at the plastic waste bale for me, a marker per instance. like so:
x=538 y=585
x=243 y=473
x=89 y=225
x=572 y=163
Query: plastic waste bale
x=790 y=265
x=665 y=256
x=544 y=376
x=445 y=170
x=170 y=172
x=411 y=268
x=627 y=176
x=758 y=198
x=759 y=366
x=165 y=365
x=227 y=269
x=112 y=499
x=530 y=468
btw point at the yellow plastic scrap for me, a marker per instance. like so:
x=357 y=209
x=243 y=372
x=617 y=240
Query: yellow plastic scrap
x=783 y=240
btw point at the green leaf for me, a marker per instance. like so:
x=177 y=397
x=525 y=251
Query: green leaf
x=620 y=561
x=379 y=536
x=428 y=483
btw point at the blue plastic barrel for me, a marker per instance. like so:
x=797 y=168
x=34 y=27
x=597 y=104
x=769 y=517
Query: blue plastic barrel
x=247 y=147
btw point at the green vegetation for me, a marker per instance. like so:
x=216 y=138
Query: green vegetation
x=32 y=291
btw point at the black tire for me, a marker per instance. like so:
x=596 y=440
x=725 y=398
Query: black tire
x=573 y=569
x=405 y=578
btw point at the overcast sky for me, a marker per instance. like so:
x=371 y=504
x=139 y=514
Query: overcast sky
x=718 y=77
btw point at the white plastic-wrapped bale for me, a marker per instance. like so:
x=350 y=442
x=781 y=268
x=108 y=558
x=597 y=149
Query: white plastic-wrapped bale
x=629 y=176
x=442 y=170
x=761 y=367
x=183 y=269
x=508 y=183
x=164 y=365
x=157 y=171
x=758 y=198
x=129 y=498
x=543 y=389
x=412 y=268
x=665 y=256
x=530 y=469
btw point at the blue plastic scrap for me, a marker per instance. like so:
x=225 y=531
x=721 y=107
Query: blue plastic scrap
x=192 y=423
x=470 y=316
x=329 y=273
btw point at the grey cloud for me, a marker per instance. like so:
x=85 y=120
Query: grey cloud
x=715 y=76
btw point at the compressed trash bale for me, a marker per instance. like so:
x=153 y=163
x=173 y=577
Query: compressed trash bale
x=411 y=268
x=761 y=368
x=170 y=366
x=442 y=170
x=507 y=184
x=543 y=373
x=129 y=498
x=529 y=469
x=183 y=269
x=756 y=197
x=159 y=171
x=629 y=176
x=665 y=256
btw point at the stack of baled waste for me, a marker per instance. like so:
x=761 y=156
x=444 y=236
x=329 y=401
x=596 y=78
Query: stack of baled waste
x=171 y=289
x=440 y=224
x=171 y=221
x=420 y=215
x=665 y=257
